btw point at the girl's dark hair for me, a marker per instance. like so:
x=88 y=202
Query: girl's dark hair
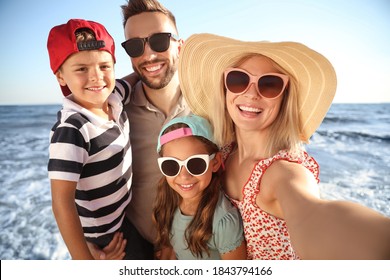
x=199 y=231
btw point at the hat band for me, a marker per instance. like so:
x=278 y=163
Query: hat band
x=175 y=134
x=91 y=45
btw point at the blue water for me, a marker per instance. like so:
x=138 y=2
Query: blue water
x=352 y=147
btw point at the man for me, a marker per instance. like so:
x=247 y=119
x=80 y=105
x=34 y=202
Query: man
x=156 y=99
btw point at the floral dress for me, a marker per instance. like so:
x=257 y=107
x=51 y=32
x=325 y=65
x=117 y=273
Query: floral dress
x=267 y=236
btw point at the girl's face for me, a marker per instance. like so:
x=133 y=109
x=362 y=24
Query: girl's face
x=89 y=76
x=189 y=187
x=250 y=111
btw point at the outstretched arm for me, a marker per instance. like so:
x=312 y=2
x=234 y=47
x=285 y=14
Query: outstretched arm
x=68 y=221
x=323 y=229
x=344 y=230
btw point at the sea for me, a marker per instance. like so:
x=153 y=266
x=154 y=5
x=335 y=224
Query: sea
x=352 y=146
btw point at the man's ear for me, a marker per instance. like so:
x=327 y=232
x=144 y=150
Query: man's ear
x=60 y=78
x=181 y=42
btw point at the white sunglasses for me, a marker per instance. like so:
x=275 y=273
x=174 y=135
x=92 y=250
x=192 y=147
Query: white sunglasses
x=196 y=165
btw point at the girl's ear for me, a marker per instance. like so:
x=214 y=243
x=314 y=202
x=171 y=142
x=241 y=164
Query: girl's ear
x=60 y=79
x=216 y=162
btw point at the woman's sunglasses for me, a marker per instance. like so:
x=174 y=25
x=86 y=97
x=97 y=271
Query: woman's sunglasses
x=158 y=42
x=270 y=85
x=196 y=165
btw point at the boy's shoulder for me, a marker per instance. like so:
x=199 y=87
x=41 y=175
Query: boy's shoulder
x=123 y=88
x=70 y=118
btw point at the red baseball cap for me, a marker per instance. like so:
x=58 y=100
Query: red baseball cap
x=61 y=43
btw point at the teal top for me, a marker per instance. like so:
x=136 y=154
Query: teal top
x=228 y=232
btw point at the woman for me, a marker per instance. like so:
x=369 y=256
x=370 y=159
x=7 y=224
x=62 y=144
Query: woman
x=265 y=100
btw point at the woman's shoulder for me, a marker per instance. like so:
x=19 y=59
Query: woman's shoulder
x=284 y=173
x=285 y=167
x=297 y=156
x=288 y=162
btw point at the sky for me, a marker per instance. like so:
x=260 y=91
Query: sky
x=353 y=34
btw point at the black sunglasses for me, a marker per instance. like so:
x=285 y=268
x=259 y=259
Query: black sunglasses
x=158 y=42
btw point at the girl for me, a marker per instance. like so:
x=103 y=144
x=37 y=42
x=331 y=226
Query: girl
x=191 y=213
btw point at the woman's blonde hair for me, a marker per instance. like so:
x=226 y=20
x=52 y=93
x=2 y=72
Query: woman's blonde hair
x=284 y=131
x=200 y=230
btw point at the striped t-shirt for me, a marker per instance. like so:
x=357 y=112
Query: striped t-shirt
x=96 y=154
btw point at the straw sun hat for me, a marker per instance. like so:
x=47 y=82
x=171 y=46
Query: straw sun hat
x=204 y=57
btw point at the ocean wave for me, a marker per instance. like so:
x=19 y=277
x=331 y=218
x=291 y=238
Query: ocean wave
x=355 y=136
x=341 y=120
x=351 y=146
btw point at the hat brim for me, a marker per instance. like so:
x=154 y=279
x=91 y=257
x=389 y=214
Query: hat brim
x=204 y=57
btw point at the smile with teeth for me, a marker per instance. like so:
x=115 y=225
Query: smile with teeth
x=153 y=68
x=95 y=88
x=249 y=109
x=186 y=186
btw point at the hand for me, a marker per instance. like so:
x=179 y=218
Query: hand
x=115 y=250
x=166 y=253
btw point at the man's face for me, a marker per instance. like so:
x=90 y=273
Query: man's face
x=155 y=69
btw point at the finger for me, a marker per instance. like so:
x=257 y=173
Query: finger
x=113 y=243
x=157 y=255
x=95 y=251
x=119 y=242
x=116 y=248
x=120 y=252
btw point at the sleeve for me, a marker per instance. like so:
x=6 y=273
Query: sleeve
x=67 y=153
x=229 y=232
x=124 y=89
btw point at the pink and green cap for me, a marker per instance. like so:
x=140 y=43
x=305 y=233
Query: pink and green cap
x=197 y=126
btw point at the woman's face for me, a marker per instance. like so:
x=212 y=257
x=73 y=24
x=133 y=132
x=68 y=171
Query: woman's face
x=250 y=111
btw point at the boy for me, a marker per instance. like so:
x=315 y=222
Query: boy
x=90 y=163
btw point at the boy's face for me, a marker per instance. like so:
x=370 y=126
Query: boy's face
x=89 y=76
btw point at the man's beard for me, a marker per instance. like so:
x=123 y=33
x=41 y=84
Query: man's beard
x=165 y=80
